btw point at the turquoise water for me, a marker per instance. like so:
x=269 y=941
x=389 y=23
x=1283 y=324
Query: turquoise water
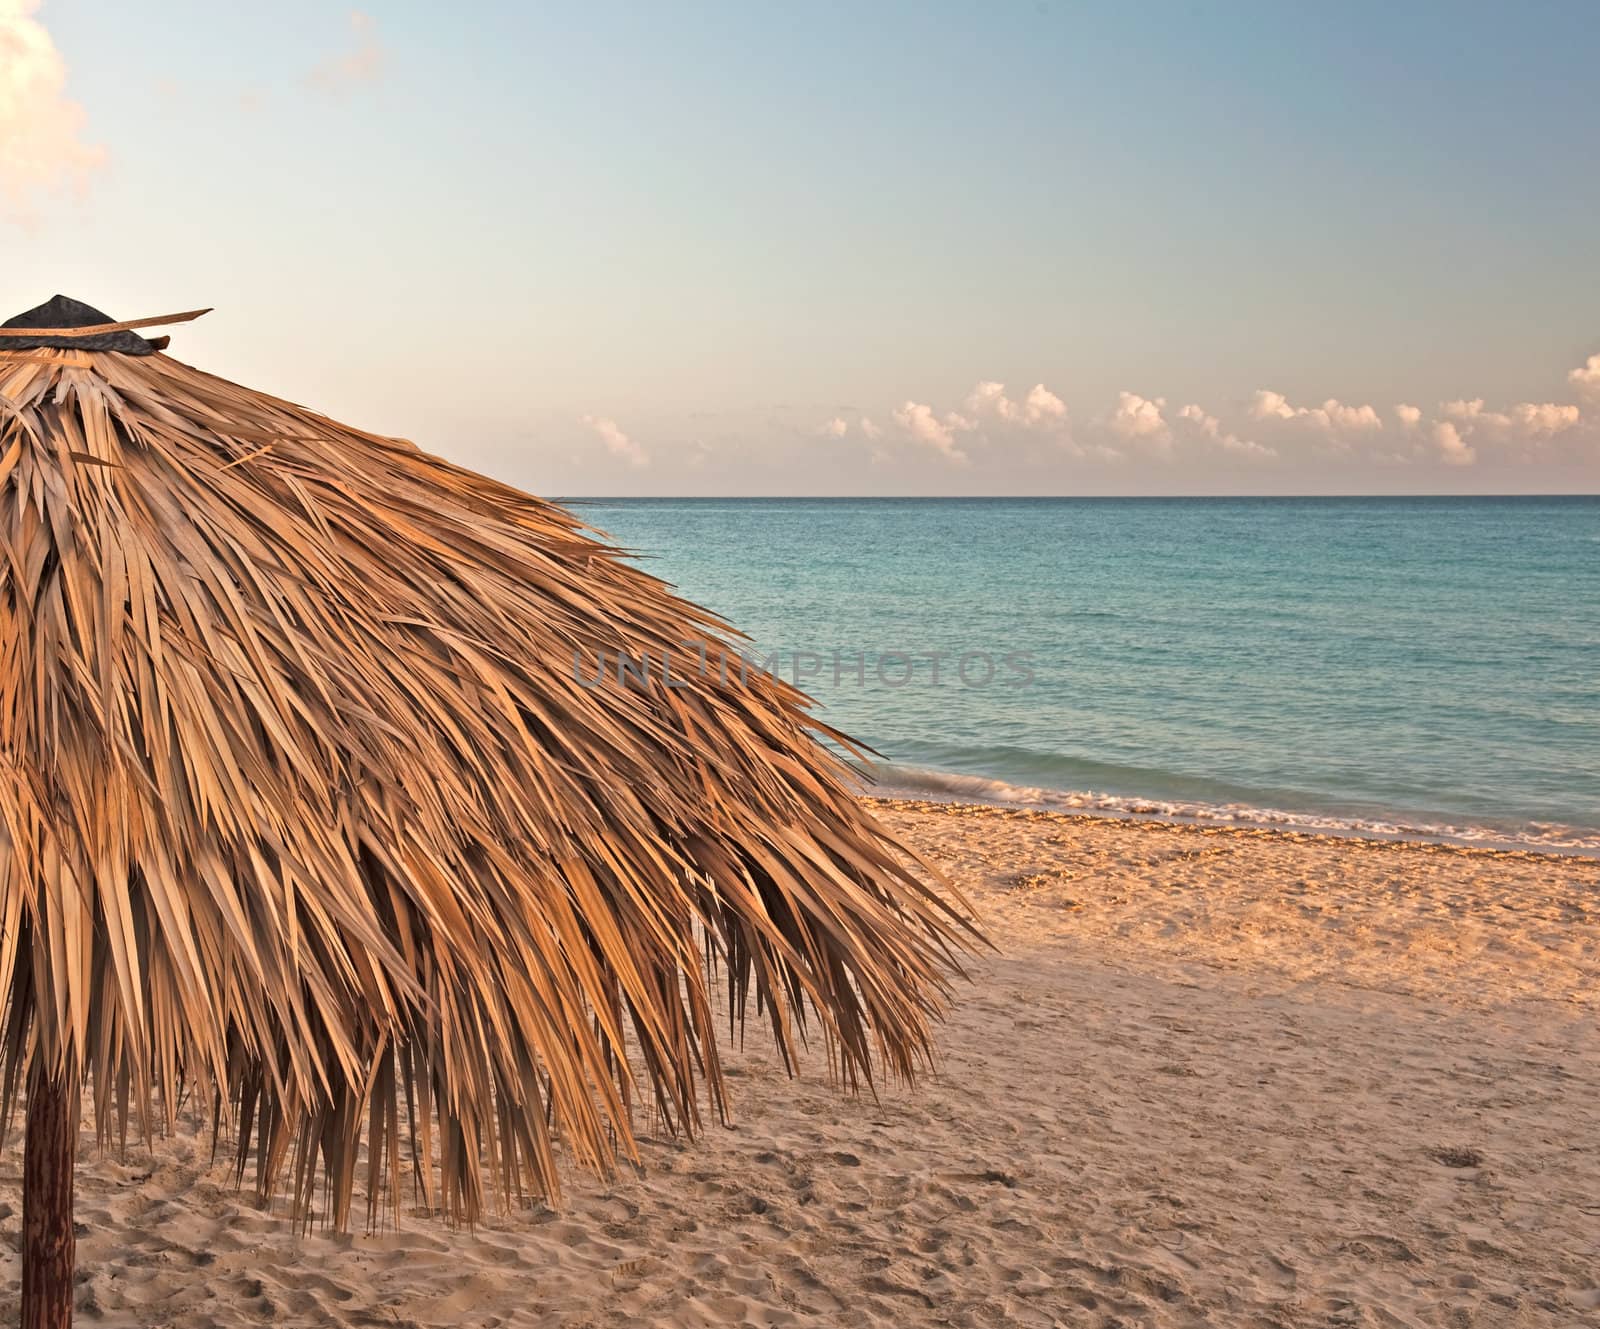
x=1411 y=666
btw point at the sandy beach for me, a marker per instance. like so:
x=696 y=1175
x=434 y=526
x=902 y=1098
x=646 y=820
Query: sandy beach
x=1211 y=1077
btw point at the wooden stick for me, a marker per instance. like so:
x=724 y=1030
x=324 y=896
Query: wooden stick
x=95 y=330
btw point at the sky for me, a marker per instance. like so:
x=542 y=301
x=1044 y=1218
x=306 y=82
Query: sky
x=922 y=249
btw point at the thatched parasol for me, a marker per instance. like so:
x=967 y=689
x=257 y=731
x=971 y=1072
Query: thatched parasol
x=306 y=806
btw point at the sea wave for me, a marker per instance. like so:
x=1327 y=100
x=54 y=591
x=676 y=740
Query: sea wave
x=892 y=779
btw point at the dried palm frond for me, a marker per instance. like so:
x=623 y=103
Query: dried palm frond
x=305 y=805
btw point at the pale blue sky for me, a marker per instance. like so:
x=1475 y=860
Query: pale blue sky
x=726 y=234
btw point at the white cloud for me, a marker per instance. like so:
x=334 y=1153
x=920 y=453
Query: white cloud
x=841 y=427
x=1544 y=419
x=1335 y=415
x=1139 y=417
x=985 y=411
x=1269 y=405
x=617 y=443
x=919 y=420
x=1211 y=428
x=1332 y=417
x=1586 y=377
x=1527 y=421
x=1467 y=412
x=1102 y=453
x=1269 y=425
x=1041 y=408
x=363 y=64
x=1452 y=448
x=989 y=398
x=1245 y=447
x=41 y=146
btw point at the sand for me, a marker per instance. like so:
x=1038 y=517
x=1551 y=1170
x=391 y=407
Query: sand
x=1213 y=1077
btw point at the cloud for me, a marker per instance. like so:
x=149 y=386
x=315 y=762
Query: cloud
x=989 y=398
x=1209 y=427
x=920 y=421
x=1526 y=422
x=1269 y=405
x=41 y=145
x=1586 y=377
x=1332 y=417
x=617 y=443
x=1041 y=408
x=1096 y=452
x=1452 y=448
x=869 y=429
x=1267 y=426
x=840 y=427
x=1544 y=419
x=1139 y=418
x=1468 y=412
x=364 y=64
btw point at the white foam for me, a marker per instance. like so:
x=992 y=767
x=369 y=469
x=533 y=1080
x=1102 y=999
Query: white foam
x=889 y=779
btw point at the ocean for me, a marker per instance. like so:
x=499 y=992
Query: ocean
x=1417 y=667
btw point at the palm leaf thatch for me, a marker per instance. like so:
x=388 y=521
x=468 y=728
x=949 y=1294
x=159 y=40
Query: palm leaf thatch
x=305 y=807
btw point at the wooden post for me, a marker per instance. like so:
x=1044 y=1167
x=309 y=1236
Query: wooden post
x=48 y=1241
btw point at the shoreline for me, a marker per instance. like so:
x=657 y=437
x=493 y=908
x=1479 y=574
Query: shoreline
x=968 y=790
x=934 y=805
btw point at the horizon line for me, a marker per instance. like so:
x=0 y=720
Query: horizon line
x=1033 y=498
